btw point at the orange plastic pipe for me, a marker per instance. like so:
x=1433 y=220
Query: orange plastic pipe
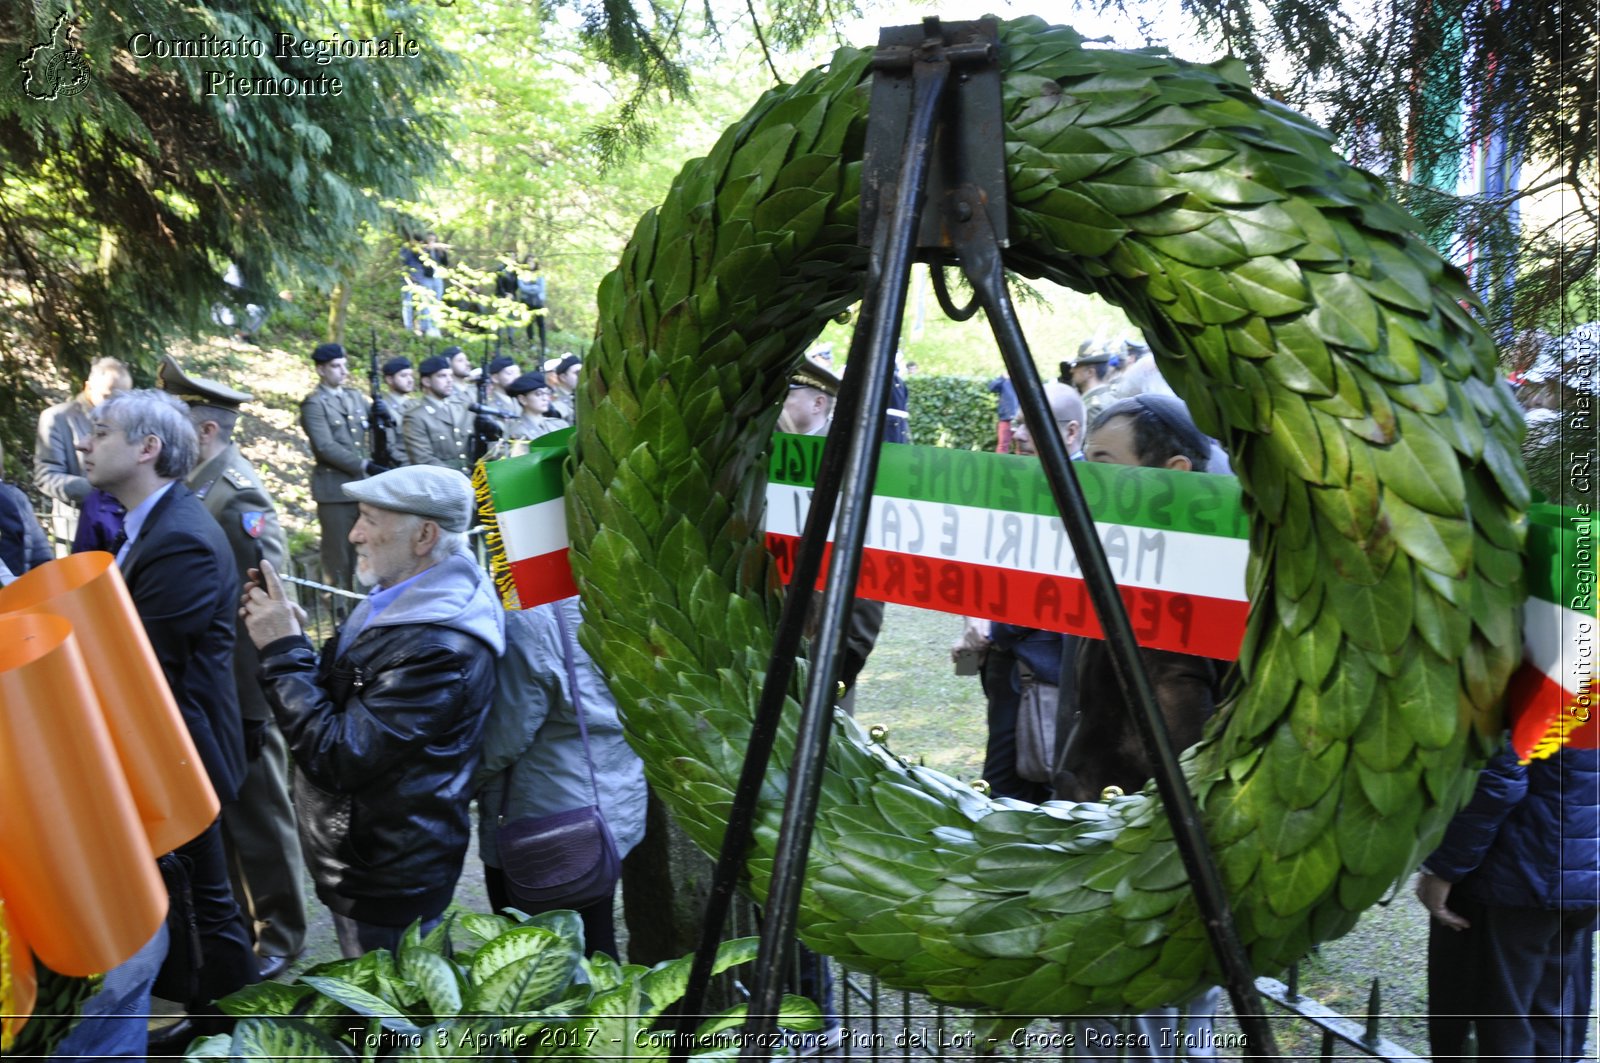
x=75 y=868
x=18 y=986
x=169 y=783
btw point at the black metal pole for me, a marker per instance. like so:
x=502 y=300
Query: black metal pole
x=872 y=355
x=769 y=710
x=980 y=258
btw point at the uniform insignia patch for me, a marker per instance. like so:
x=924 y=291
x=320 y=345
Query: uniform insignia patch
x=237 y=479
x=255 y=523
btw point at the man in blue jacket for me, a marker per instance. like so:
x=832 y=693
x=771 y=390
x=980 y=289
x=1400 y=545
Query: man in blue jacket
x=1513 y=889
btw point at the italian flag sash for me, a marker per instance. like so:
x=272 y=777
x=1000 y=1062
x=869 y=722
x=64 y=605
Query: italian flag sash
x=1551 y=700
x=526 y=495
x=976 y=534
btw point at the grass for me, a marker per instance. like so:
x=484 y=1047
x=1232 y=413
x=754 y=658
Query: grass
x=935 y=717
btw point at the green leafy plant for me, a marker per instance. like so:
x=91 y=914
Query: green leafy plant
x=951 y=411
x=525 y=990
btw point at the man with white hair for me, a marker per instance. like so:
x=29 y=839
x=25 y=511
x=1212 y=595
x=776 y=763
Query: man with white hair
x=386 y=728
x=179 y=570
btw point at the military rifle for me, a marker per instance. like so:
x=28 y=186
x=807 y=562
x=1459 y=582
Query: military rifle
x=484 y=429
x=379 y=418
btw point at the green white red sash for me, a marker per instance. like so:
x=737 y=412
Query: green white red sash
x=1551 y=700
x=977 y=534
x=532 y=517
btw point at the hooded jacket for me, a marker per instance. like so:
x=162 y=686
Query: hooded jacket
x=1530 y=836
x=532 y=743
x=386 y=735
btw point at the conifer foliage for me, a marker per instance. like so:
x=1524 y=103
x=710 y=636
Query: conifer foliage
x=1412 y=87
x=147 y=144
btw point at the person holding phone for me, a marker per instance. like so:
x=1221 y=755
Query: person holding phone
x=386 y=724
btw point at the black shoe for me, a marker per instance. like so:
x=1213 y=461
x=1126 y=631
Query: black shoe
x=272 y=966
x=172 y=1040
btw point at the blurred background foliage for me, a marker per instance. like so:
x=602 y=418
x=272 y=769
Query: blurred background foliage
x=547 y=127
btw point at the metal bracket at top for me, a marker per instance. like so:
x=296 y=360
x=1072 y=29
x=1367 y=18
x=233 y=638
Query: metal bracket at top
x=969 y=146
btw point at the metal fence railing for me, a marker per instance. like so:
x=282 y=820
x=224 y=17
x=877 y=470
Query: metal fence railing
x=879 y=1022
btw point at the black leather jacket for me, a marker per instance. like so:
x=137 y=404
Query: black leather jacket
x=385 y=741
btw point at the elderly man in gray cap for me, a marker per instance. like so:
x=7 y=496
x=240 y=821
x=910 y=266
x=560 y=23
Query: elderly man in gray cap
x=386 y=727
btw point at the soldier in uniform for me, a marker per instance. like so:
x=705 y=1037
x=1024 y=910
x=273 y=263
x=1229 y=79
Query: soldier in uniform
x=258 y=828
x=563 y=380
x=1090 y=373
x=502 y=372
x=399 y=395
x=335 y=420
x=438 y=431
x=532 y=396
x=463 y=375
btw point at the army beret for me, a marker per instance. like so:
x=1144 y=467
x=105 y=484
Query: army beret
x=327 y=352
x=500 y=362
x=450 y=352
x=394 y=365
x=568 y=362
x=432 y=492
x=525 y=383
x=433 y=365
x=197 y=391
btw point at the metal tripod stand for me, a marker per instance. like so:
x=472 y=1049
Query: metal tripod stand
x=933 y=187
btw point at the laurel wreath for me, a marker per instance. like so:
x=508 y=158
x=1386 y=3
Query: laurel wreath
x=1289 y=302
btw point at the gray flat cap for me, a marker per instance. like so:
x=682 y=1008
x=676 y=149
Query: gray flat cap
x=433 y=492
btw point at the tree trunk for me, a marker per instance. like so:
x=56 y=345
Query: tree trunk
x=338 y=311
x=665 y=882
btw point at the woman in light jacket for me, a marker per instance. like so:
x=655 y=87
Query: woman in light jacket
x=533 y=752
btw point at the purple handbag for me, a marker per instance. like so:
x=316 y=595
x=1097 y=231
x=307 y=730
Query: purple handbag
x=565 y=859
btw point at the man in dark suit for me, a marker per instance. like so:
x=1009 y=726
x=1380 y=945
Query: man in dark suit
x=180 y=575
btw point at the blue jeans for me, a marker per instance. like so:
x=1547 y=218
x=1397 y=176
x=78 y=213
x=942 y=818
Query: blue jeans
x=357 y=938
x=116 y=1019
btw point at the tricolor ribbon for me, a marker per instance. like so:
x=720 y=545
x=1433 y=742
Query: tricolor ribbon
x=531 y=513
x=977 y=534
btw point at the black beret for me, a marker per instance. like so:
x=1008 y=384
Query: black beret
x=449 y=353
x=327 y=353
x=567 y=363
x=433 y=365
x=500 y=362
x=525 y=383
x=394 y=365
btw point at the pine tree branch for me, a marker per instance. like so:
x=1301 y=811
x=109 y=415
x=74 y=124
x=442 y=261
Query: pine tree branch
x=766 y=53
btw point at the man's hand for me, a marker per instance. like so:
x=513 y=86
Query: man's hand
x=974 y=637
x=1433 y=892
x=267 y=612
